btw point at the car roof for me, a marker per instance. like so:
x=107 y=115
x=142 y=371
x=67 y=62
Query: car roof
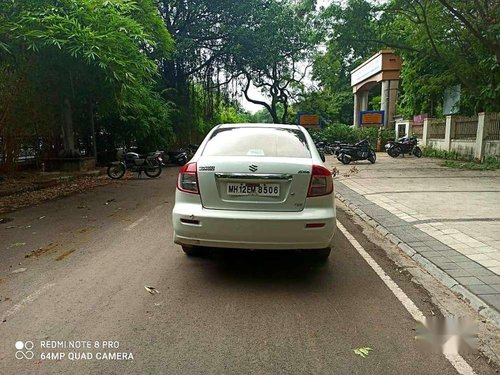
x=258 y=125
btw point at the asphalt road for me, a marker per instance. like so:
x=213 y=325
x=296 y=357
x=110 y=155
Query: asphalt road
x=227 y=313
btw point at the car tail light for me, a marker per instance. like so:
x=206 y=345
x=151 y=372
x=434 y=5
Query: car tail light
x=321 y=182
x=188 y=179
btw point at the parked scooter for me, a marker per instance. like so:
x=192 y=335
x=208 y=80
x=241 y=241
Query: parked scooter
x=149 y=164
x=403 y=146
x=360 y=151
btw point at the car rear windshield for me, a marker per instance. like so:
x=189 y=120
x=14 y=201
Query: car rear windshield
x=265 y=142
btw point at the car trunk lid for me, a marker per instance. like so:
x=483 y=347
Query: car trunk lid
x=254 y=183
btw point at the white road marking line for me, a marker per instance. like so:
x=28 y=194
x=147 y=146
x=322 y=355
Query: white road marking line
x=138 y=221
x=456 y=360
x=135 y=223
x=25 y=301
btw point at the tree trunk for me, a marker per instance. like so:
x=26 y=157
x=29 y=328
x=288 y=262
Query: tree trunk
x=67 y=129
x=92 y=130
x=274 y=115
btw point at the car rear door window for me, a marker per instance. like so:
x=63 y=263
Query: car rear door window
x=263 y=142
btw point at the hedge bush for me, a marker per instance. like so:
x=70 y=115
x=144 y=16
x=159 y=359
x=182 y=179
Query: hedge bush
x=352 y=134
x=455 y=160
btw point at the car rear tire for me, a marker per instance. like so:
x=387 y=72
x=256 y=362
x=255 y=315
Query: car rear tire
x=192 y=251
x=321 y=255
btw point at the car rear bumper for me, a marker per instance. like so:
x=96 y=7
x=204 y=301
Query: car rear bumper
x=253 y=229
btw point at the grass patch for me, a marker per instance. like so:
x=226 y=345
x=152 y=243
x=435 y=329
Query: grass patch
x=453 y=159
x=472 y=165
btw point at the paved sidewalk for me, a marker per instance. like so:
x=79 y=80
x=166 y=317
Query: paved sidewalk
x=447 y=219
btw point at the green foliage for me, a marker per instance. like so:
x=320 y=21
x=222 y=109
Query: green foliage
x=262 y=117
x=347 y=134
x=268 y=49
x=490 y=164
x=95 y=55
x=444 y=43
x=387 y=135
x=442 y=154
x=456 y=160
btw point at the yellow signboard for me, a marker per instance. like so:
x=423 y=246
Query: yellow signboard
x=309 y=120
x=375 y=117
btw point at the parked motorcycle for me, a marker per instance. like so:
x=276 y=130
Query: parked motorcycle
x=330 y=148
x=149 y=164
x=179 y=157
x=337 y=146
x=191 y=149
x=403 y=146
x=360 y=151
x=320 y=146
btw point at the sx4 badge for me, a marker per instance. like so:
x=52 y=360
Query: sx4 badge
x=24 y=350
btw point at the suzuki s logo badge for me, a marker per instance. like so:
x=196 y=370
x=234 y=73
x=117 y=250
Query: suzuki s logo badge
x=253 y=168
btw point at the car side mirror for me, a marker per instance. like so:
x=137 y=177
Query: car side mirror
x=322 y=156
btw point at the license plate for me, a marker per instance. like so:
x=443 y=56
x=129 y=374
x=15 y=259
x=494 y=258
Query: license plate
x=264 y=190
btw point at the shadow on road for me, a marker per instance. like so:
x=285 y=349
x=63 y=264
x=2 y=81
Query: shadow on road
x=261 y=267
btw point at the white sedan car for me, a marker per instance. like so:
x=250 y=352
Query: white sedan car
x=255 y=186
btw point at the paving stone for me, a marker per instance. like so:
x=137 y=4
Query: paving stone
x=382 y=230
x=433 y=243
x=458 y=258
x=496 y=287
x=469 y=264
x=407 y=249
x=492 y=299
x=448 y=253
x=481 y=289
x=480 y=271
x=442 y=247
x=395 y=240
x=416 y=244
x=449 y=266
x=432 y=254
x=458 y=273
x=423 y=249
x=469 y=280
x=490 y=279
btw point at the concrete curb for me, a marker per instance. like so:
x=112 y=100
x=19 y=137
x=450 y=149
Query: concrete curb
x=474 y=301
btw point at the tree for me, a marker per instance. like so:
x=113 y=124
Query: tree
x=452 y=43
x=89 y=56
x=349 y=31
x=270 y=52
x=443 y=43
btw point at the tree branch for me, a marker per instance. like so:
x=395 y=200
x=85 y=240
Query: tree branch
x=254 y=101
